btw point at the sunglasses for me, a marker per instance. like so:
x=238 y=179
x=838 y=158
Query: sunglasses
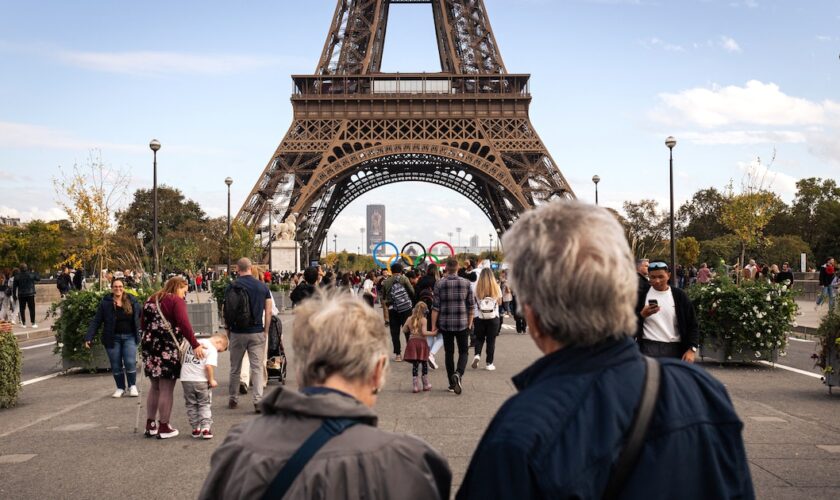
x=655 y=266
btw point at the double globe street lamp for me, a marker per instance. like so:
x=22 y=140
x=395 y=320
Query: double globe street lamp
x=228 y=181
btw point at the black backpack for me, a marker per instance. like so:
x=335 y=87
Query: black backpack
x=237 y=308
x=399 y=299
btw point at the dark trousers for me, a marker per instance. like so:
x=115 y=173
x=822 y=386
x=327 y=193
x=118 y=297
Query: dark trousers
x=396 y=321
x=449 y=339
x=22 y=303
x=656 y=349
x=486 y=330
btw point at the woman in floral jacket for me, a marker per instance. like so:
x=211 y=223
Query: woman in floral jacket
x=161 y=362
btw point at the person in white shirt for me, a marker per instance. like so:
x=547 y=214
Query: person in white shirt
x=666 y=321
x=198 y=380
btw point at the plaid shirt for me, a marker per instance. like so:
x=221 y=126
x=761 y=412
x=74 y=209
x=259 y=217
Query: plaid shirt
x=453 y=302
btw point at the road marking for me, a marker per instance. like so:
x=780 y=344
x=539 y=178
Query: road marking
x=792 y=369
x=800 y=340
x=831 y=448
x=41 y=379
x=508 y=327
x=37 y=346
x=52 y=415
x=16 y=459
x=769 y=419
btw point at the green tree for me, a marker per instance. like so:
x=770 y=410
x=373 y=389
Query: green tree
x=175 y=211
x=785 y=248
x=38 y=244
x=721 y=248
x=700 y=216
x=808 y=212
x=688 y=250
x=646 y=228
x=89 y=194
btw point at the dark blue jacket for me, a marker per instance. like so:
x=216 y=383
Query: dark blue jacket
x=559 y=437
x=107 y=317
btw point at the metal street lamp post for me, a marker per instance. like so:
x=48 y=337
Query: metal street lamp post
x=596 y=179
x=671 y=142
x=362 y=233
x=228 y=181
x=458 y=229
x=270 y=235
x=335 y=243
x=154 y=145
x=491 y=242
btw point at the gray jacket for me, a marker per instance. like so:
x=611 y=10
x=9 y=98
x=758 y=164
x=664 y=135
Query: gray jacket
x=362 y=462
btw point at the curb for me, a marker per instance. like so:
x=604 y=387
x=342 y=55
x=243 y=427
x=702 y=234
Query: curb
x=41 y=333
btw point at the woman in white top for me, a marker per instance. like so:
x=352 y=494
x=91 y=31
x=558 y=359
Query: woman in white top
x=487 y=322
x=368 y=289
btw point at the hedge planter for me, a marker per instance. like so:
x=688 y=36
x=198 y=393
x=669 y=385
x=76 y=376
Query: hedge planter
x=828 y=356
x=10 y=366
x=97 y=361
x=723 y=352
x=746 y=322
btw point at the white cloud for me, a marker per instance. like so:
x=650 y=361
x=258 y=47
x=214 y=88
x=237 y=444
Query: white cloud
x=754 y=103
x=656 y=43
x=780 y=183
x=729 y=44
x=25 y=136
x=825 y=144
x=824 y=38
x=744 y=137
x=161 y=63
x=32 y=213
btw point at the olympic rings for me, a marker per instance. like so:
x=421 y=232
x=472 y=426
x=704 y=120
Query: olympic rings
x=376 y=258
x=408 y=259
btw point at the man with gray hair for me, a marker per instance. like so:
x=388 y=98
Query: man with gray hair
x=567 y=433
x=247 y=318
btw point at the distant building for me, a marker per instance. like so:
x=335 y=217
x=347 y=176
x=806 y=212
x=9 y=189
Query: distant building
x=9 y=221
x=474 y=241
x=375 y=228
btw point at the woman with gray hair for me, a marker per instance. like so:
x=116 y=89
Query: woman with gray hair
x=322 y=441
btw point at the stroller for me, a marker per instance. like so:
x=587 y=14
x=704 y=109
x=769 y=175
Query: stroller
x=276 y=362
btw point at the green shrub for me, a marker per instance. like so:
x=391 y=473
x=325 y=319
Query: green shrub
x=73 y=315
x=218 y=290
x=10 y=366
x=754 y=316
x=829 y=333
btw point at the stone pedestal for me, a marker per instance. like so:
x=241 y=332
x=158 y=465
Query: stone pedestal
x=283 y=254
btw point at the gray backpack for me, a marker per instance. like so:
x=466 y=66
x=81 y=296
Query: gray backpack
x=398 y=297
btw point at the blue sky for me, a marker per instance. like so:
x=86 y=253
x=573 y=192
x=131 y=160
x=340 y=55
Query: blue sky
x=732 y=80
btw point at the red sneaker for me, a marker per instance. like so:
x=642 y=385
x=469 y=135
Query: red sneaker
x=207 y=434
x=151 y=429
x=165 y=431
x=196 y=433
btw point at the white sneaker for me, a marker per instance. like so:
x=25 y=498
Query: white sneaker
x=133 y=392
x=476 y=360
x=490 y=367
x=34 y=326
x=118 y=393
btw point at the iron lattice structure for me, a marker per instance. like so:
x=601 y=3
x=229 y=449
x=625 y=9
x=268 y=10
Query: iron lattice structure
x=356 y=129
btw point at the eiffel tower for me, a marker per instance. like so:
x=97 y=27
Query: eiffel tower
x=354 y=128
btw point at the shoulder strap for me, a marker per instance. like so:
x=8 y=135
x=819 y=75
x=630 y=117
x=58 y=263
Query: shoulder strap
x=166 y=325
x=287 y=475
x=638 y=431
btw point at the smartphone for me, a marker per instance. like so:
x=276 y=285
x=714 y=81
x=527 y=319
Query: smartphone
x=653 y=303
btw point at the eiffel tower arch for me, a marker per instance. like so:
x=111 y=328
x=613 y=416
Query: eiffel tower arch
x=354 y=128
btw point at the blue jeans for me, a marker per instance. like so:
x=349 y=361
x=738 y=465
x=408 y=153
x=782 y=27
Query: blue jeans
x=123 y=357
x=827 y=293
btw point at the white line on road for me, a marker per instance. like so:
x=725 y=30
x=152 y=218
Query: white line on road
x=53 y=415
x=791 y=369
x=800 y=340
x=37 y=346
x=41 y=379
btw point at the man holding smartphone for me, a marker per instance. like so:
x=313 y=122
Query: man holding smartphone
x=667 y=325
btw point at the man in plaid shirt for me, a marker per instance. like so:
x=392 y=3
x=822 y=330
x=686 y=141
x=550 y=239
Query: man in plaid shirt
x=452 y=314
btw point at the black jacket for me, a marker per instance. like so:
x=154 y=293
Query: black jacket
x=78 y=279
x=63 y=283
x=25 y=284
x=559 y=436
x=686 y=317
x=303 y=291
x=107 y=317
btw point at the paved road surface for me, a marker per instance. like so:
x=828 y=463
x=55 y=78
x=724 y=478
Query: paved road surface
x=68 y=439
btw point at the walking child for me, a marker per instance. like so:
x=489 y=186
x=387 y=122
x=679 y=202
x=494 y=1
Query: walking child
x=417 y=349
x=198 y=380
